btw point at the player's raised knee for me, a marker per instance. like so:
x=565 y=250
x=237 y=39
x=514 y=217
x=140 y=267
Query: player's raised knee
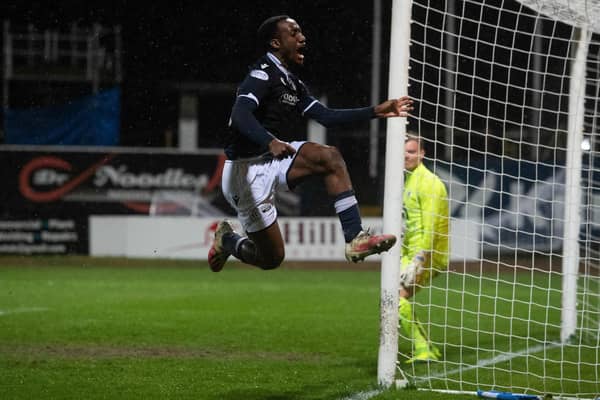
x=272 y=263
x=332 y=157
x=272 y=260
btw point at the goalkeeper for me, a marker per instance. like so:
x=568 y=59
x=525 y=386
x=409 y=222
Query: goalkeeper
x=425 y=243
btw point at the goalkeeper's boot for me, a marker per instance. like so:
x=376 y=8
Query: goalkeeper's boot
x=365 y=244
x=424 y=352
x=425 y=355
x=217 y=255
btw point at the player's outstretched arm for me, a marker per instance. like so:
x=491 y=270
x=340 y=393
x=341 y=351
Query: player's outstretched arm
x=394 y=108
x=334 y=116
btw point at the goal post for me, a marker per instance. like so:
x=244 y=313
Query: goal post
x=507 y=105
x=571 y=248
x=392 y=202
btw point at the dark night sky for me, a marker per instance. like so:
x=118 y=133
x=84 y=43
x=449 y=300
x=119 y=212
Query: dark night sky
x=213 y=42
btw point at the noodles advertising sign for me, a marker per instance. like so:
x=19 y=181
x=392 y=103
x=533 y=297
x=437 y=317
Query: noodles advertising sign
x=48 y=196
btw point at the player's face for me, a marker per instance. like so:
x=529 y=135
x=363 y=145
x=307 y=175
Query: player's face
x=290 y=43
x=413 y=156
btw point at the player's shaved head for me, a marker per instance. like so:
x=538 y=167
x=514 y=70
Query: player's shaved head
x=268 y=30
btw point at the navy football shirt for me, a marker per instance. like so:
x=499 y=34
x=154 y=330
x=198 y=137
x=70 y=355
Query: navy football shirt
x=270 y=103
x=279 y=99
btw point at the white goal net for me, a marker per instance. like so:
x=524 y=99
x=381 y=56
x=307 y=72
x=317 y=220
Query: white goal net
x=507 y=102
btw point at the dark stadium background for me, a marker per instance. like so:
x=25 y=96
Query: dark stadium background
x=206 y=47
x=184 y=43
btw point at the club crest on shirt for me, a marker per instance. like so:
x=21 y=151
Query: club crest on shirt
x=258 y=74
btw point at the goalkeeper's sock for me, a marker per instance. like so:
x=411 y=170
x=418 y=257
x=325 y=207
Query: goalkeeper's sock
x=241 y=247
x=346 y=207
x=411 y=326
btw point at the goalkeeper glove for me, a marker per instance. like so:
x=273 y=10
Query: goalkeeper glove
x=409 y=275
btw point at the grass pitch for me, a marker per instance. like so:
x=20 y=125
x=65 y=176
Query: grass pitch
x=84 y=328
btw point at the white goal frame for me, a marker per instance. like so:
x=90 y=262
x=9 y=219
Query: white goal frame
x=394 y=185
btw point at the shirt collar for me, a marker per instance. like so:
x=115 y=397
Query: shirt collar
x=278 y=63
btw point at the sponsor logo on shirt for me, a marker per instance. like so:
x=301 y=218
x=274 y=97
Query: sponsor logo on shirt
x=289 y=99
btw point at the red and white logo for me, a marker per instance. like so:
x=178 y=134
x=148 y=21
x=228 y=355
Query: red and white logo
x=54 y=172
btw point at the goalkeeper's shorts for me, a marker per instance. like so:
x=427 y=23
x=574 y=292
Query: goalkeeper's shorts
x=249 y=186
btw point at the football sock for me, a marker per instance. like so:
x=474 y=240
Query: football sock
x=240 y=247
x=346 y=207
x=411 y=326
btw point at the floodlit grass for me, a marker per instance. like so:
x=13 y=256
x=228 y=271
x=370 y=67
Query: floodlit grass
x=502 y=331
x=83 y=328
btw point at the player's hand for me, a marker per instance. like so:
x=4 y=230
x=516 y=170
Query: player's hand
x=419 y=260
x=281 y=150
x=394 y=108
x=411 y=273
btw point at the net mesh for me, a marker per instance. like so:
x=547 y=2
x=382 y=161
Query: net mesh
x=492 y=82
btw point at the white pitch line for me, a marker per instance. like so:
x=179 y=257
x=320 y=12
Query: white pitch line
x=363 y=395
x=22 y=310
x=494 y=360
x=482 y=363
